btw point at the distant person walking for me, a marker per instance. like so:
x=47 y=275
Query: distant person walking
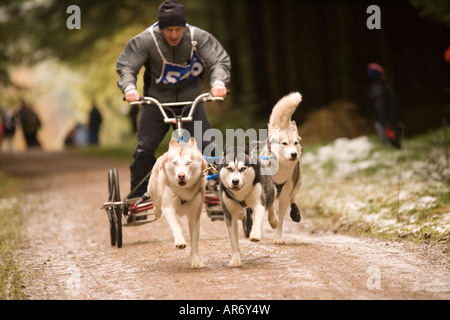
x=9 y=127
x=381 y=99
x=95 y=120
x=30 y=124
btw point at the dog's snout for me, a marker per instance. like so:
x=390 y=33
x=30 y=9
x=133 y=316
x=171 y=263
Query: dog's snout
x=181 y=176
x=235 y=182
x=293 y=155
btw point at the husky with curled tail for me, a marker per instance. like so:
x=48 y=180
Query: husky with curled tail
x=284 y=147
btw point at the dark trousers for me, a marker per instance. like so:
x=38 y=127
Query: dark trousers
x=151 y=131
x=31 y=139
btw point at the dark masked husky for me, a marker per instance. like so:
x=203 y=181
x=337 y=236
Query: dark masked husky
x=242 y=186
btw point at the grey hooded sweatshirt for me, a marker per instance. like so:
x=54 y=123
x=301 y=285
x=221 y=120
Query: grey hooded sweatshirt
x=143 y=51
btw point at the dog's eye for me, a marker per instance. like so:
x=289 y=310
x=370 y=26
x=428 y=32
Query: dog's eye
x=284 y=143
x=296 y=143
x=230 y=169
x=189 y=162
x=243 y=169
x=175 y=163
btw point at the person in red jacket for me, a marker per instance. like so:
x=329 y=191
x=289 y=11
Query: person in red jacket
x=381 y=99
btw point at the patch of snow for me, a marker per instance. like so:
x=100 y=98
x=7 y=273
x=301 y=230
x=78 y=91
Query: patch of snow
x=343 y=153
x=424 y=203
x=427 y=202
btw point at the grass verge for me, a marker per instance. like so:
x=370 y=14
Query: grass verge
x=359 y=186
x=11 y=277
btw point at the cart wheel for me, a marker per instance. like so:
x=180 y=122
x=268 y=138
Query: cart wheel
x=112 y=226
x=116 y=210
x=110 y=210
x=247 y=222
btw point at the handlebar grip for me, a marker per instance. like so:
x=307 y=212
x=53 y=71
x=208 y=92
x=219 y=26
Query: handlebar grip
x=228 y=91
x=142 y=100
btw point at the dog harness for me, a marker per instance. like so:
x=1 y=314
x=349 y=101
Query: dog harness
x=173 y=73
x=182 y=201
x=242 y=203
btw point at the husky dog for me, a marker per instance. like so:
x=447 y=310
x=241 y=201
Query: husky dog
x=242 y=186
x=285 y=144
x=177 y=187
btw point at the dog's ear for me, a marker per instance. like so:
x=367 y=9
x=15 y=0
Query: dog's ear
x=293 y=126
x=274 y=136
x=228 y=154
x=247 y=148
x=192 y=142
x=227 y=149
x=173 y=142
x=163 y=161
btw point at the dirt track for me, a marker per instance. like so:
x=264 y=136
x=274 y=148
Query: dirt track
x=67 y=255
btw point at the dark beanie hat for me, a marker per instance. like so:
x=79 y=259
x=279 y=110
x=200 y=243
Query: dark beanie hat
x=171 y=14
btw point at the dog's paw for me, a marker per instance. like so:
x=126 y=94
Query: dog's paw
x=235 y=262
x=196 y=263
x=273 y=221
x=179 y=241
x=278 y=241
x=254 y=237
x=180 y=245
x=295 y=213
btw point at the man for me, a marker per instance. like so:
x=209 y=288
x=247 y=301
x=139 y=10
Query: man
x=30 y=124
x=95 y=120
x=175 y=56
x=380 y=96
x=9 y=127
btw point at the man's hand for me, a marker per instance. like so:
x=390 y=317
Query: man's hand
x=132 y=95
x=219 y=91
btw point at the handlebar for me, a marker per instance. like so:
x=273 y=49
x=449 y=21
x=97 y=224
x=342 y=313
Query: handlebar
x=204 y=97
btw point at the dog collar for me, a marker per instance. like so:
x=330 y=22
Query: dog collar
x=242 y=203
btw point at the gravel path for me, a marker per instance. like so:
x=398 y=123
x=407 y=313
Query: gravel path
x=67 y=255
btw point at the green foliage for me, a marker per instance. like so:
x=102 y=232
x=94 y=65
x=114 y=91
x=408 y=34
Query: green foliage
x=99 y=20
x=438 y=10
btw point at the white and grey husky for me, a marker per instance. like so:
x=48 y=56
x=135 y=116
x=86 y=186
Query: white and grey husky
x=242 y=186
x=177 y=187
x=285 y=145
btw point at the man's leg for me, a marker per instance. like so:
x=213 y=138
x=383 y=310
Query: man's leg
x=151 y=131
